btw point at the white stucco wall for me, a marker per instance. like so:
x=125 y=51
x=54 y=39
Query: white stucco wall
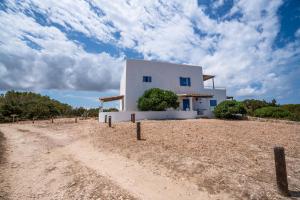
x=164 y=76
x=123 y=87
x=139 y=115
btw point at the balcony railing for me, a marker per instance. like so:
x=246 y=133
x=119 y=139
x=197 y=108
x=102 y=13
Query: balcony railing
x=216 y=88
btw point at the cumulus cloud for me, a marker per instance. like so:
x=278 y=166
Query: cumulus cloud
x=238 y=46
x=33 y=56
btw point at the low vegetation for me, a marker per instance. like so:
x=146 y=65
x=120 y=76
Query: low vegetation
x=29 y=105
x=230 y=110
x=272 y=112
x=257 y=108
x=156 y=99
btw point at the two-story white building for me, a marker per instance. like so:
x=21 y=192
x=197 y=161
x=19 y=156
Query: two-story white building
x=187 y=81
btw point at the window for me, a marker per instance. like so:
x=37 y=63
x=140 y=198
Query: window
x=147 y=79
x=185 y=81
x=213 y=103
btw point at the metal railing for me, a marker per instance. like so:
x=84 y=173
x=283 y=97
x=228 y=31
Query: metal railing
x=216 y=88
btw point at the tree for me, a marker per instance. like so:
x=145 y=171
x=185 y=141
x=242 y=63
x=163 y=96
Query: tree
x=156 y=99
x=229 y=110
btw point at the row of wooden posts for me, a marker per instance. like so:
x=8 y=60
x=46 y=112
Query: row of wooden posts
x=16 y=119
x=52 y=120
x=279 y=155
x=107 y=119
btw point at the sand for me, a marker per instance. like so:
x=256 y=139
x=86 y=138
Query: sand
x=177 y=159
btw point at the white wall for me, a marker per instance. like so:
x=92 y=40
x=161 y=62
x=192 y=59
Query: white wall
x=139 y=115
x=164 y=76
x=219 y=94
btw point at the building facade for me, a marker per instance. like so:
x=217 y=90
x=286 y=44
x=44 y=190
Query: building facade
x=187 y=81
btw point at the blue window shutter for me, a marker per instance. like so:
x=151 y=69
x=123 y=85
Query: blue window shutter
x=147 y=79
x=184 y=81
x=213 y=102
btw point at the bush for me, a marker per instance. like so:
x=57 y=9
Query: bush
x=252 y=104
x=110 y=110
x=229 y=110
x=294 y=109
x=273 y=112
x=156 y=99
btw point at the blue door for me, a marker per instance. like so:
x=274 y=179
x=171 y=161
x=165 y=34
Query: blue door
x=185 y=104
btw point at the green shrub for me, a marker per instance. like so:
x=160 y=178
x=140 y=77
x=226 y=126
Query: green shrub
x=156 y=99
x=229 y=110
x=110 y=110
x=273 y=112
x=294 y=109
x=253 y=104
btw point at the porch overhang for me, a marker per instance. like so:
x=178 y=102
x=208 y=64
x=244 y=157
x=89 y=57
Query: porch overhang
x=196 y=95
x=207 y=77
x=111 y=98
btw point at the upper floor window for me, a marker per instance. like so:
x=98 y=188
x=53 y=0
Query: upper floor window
x=147 y=79
x=213 y=102
x=185 y=81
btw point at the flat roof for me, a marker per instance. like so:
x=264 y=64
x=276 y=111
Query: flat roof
x=111 y=98
x=196 y=95
x=164 y=62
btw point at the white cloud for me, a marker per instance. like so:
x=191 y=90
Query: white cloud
x=239 y=51
x=297 y=33
x=60 y=64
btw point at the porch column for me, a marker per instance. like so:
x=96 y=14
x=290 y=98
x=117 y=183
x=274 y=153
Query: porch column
x=191 y=103
x=122 y=104
x=101 y=106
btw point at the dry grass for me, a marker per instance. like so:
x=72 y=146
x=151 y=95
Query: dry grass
x=231 y=156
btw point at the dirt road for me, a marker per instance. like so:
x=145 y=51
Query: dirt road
x=188 y=159
x=61 y=161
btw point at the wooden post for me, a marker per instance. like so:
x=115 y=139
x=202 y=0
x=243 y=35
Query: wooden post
x=51 y=119
x=75 y=119
x=13 y=117
x=138 y=130
x=105 y=119
x=109 y=121
x=281 y=175
x=133 y=117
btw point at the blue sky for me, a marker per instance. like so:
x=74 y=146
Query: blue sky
x=74 y=51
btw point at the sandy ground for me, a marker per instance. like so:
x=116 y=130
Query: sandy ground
x=182 y=159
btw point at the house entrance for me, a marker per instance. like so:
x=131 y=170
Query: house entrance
x=186 y=104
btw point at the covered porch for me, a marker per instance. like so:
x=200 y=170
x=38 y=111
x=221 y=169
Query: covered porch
x=112 y=98
x=195 y=102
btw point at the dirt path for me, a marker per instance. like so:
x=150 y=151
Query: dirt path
x=36 y=168
x=43 y=163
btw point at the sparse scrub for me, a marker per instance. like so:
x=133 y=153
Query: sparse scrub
x=230 y=110
x=273 y=112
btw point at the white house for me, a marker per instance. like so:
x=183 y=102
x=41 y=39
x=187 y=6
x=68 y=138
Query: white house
x=187 y=81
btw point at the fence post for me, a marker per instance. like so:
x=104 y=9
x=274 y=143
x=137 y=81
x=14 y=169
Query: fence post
x=133 y=117
x=281 y=174
x=138 y=130
x=105 y=119
x=52 y=120
x=109 y=121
